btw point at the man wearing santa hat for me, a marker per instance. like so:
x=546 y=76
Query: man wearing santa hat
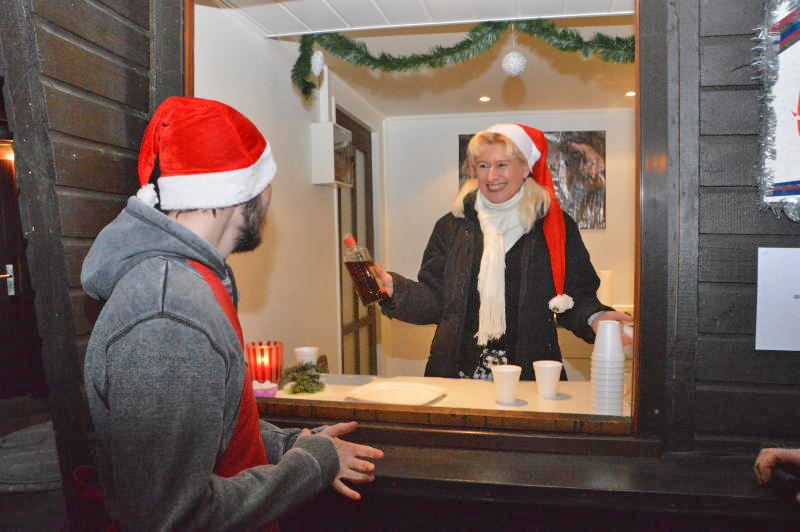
x=503 y=267
x=179 y=441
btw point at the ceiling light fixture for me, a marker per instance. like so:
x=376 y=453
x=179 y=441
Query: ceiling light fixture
x=484 y=98
x=630 y=93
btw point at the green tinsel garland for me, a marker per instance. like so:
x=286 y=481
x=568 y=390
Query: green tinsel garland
x=479 y=39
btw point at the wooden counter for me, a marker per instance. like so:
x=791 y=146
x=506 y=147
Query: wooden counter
x=573 y=396
x=457 y=489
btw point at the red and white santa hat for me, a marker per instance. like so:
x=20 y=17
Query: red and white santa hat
x=533 y=145
x=209 y=154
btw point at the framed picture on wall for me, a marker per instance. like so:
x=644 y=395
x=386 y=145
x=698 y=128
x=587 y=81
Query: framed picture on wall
x=577 y=161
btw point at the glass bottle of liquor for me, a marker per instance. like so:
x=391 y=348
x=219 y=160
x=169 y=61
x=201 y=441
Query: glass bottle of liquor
x=359 y=264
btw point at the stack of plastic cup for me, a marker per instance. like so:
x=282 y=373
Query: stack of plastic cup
x=608 y=370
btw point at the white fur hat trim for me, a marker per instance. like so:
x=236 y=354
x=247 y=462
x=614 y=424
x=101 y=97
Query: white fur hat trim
x=217 y=190
x=519 y=137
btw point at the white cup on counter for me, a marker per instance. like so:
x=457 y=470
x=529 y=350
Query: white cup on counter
x=306 y=355
x=548 y=373
x=506 y=378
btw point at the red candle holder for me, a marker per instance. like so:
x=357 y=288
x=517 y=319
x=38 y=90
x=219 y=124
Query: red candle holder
x=265 y=360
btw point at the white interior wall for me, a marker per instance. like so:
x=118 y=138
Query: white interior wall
x=288 y=285
x=421 y=173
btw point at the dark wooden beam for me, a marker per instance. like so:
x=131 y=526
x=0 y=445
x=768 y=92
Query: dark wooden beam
x=657 y=129
x=166 y=50
x=682 y=357
x=39 y=213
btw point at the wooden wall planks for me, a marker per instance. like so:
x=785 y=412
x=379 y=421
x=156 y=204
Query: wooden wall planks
x=766 y=412
x=137 y=11
x=731 y=358
x=733 y=258
x=98 y=26
x=740 y=392
x=84 y=215
x=726 y=308
x=727 y=61
x=74 y=114
x=728 y=160
x=729 y=112
x=90 y=68
x=729 y=17
x=87 y=165
x=734 y=210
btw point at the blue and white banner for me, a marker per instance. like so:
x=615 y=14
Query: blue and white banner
x=779 y=64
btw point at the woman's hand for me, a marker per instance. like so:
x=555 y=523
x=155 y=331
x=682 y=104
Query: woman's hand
x=624 y=319
x=386 y=279
x=351 y=466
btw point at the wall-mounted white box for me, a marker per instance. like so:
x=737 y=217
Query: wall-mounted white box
x=778 y=299
x=332 y=155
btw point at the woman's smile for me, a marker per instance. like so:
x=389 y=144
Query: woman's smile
x=499 y=177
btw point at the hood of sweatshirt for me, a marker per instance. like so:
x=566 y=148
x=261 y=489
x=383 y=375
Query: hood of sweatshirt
x=138 y=233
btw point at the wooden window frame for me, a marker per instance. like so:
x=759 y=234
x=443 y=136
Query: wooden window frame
x=641 y=434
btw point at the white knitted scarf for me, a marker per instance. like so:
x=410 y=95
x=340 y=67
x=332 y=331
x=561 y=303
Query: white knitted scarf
x=502 y=226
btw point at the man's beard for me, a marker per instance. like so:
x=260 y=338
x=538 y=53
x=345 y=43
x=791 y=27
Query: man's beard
x=249 y=237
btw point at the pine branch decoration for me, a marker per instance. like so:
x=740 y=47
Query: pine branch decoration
x=306 y=378
x=479 y=39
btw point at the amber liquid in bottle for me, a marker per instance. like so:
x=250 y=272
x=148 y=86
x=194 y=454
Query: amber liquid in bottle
x=359 y=264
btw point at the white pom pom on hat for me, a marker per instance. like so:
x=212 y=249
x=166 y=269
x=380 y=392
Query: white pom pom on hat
x=209 y=154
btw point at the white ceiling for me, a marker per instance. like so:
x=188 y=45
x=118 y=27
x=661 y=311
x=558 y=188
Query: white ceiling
x=553 y=79
x=294 y=17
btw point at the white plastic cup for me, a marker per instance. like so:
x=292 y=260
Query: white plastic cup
x=606 y=374
x=548 y=373
x=603 y=411
x=609 y=339
x=608 y=366
x=607 y=408
x=306 y=355
x=607 y=397
x=506 y=378
x=600 y=389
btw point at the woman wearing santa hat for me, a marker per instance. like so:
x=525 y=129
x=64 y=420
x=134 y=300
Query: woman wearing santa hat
x=502 y=267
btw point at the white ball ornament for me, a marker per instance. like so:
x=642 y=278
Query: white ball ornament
x=317 y=62
x=514 y=63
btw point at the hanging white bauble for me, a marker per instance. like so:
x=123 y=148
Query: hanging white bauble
x=514 y=63
x=317 y=62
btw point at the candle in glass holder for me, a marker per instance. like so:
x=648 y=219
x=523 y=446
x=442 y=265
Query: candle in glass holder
x=265 y=359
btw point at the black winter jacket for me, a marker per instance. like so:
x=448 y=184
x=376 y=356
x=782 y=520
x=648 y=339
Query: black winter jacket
x=447 y=277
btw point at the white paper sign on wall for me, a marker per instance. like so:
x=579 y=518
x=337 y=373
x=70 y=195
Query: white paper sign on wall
x=778 y=299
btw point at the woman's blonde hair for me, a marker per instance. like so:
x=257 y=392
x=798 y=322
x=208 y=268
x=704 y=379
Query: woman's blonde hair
x=536 y=199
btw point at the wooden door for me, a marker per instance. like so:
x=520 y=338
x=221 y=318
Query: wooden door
x=21 y=371
x=359 y=323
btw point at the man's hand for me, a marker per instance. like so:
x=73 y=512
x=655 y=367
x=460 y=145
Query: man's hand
x=770 y=458
x=624 y=319
x=351 y=465
x=386 y=279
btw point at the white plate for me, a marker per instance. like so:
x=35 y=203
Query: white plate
x=397 y=393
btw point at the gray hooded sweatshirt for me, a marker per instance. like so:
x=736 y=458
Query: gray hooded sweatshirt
x=164 y=373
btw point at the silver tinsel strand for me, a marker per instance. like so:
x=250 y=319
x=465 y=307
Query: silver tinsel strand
x=766 y=63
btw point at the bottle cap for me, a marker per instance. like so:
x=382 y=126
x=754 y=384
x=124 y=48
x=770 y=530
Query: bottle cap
x=349 y=241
